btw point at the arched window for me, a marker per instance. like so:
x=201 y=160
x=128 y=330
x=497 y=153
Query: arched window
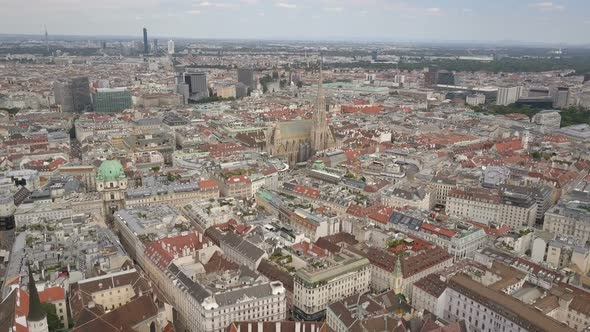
x=153 y=327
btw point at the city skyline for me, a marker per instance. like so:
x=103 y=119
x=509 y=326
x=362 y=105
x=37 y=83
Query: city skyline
x=373 y=20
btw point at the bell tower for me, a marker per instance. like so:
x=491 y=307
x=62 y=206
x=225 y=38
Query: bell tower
x=320 y=133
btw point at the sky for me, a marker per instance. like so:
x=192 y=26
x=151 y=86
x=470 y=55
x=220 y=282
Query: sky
x=559 y=21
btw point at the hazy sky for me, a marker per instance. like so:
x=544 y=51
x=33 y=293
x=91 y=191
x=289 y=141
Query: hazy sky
x=566 y=21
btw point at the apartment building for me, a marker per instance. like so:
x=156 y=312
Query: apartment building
x=513 y=209
x=487 y=310
x=110 y=291
x=441 y=187
x=390 y=272
x=569 y=219
x=238 y=249
x=183 y=266
x=175 y=194
x=428 y=294
x=460 y=242
x=237 y=186
x=341 y=276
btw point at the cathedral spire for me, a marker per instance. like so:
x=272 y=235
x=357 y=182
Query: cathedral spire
x=36 y=312
x=320 y=134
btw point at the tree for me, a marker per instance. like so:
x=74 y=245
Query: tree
x=156 y=169
x=52 y=319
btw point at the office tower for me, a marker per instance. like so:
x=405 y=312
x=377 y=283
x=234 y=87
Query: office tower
x=538 y=92
x=46 y=39
x=73 y=95
x=246 y=77
x=171 y=47
x=62 y=92
x=146 y=46
x=81 y=94
x=507 y=96
x=155 y=50
x=430 y=77
x=374 y=55
x=183 y=89
x=401 y=79
x=241 y=90
x=112 y=100
x=445 y=77
x=561 y=97
x=197 y=82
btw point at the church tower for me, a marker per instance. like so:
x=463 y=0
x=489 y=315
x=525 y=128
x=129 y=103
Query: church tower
x=320 y=133
x=36 y=317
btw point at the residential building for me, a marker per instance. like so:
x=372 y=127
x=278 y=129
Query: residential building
x=485 y=309
x=569 y=219
x=549 y=119
x=335 y=279
x=442 y=186
x=508 y=95
x=353 y=312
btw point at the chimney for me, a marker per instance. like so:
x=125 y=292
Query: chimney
x=249 y=327
x=278 y=327
x=297 y=327
x=260 y=326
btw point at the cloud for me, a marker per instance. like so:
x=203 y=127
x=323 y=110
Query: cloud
x=467 y=10
x=194 y=12
x=334 y=9
x=285 y=5
x=547 y=6
x=222 y=5
x=434 y=11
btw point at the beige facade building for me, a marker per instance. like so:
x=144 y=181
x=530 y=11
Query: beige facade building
x=347 y=274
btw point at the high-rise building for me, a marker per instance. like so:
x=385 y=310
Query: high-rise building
x=197 y=83
x=445 y=77
x=246 y=77
x=146 y=46
x=73 y=95
x=430 y=77
x=171 y=47
x=112 y=100
x=507 y=96
x=561 y=97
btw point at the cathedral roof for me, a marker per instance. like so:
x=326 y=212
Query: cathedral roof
x=294 y=129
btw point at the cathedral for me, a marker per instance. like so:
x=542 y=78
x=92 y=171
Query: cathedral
x=300 y=139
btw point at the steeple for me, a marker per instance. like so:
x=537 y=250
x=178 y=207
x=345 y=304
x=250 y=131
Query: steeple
x=36 y=312
x=397 y=275
x=319 y=130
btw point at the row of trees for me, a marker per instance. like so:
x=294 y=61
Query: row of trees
x=569 y=116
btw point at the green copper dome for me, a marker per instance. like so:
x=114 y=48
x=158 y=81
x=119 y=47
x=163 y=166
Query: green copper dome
x=110 y=170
